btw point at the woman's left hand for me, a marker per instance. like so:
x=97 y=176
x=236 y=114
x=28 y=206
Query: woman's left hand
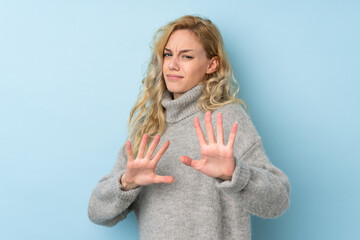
x=217 y=159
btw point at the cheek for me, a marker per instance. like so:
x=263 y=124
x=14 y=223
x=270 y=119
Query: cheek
x=164 y=64
x=197 y=70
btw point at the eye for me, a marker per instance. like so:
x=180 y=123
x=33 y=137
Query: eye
x=167 y=54
x=188 y=57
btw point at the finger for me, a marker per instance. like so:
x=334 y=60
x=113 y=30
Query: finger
x=142 y=146
x=152 y=147
x=219 y=129
x=129 y=152
x=186 y=160
x=163 y=179
x=209 y=128
x=190 y=162
x=232 y=135
x=161 y=151
x=199 y=132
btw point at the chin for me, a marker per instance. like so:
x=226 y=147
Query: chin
x=174 y=89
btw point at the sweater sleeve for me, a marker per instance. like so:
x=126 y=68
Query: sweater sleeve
x=257 y=184
x=108 y=203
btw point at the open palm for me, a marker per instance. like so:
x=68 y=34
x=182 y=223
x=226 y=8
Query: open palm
x=217 y=159
x=141 y=170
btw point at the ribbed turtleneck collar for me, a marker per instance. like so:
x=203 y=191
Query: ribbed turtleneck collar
x=183 y=106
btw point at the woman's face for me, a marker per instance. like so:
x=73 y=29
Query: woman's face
x=185 y=62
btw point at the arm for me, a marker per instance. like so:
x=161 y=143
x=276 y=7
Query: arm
x=109 y=203
x=114 y=195
x=260 y=187
x=240 y=167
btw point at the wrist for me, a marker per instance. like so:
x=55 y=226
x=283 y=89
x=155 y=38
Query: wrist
x=125 y=185
x=226 y=176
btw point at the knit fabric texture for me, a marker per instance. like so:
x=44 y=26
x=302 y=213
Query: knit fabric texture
x=196 y=206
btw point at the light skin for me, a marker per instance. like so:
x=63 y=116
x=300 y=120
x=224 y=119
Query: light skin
x=140 y=171
x=185 y=66
x=217 y=158
x=185 y=62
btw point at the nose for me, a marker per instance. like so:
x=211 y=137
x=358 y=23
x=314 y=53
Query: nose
x=173 y=64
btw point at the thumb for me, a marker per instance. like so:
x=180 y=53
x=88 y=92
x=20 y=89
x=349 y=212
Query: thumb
x=163 y=179
x=186 y=160
x=190 y=162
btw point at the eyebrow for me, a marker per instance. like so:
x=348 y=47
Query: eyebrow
x=181 y=51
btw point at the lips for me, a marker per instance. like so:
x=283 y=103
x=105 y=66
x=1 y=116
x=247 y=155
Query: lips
x=174 y=76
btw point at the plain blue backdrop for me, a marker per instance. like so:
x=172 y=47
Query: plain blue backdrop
x=70 y=72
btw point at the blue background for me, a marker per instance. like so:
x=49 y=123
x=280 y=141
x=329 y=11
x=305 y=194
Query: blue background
x=70 y=72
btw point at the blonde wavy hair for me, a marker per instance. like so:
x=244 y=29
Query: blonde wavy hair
x=218 y=88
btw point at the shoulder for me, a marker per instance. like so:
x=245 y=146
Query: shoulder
x=233 y=111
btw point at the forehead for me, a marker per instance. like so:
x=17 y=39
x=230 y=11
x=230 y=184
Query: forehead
x=183 y=39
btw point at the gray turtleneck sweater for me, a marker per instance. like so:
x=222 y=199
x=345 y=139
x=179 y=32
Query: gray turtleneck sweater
x=196 y=206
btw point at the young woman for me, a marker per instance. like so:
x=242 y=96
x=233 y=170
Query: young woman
x=200 y=180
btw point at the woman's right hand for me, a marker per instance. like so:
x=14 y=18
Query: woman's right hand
x=141 y=171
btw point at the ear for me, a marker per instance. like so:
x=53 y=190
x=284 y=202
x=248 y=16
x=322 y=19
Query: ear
x=213 y=65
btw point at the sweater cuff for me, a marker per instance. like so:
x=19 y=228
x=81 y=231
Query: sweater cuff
x=239 y=180
x=126 y=195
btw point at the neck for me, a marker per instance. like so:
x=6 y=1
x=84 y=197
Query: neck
x=182 y=106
